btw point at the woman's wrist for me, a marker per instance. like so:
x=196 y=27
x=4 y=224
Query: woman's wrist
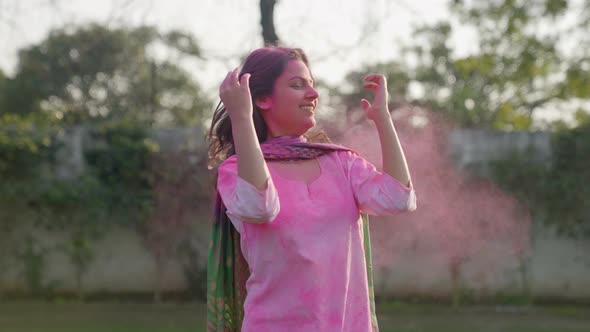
x=383 y=118
x=242 y=122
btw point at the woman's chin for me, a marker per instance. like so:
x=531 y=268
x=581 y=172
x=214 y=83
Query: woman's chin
x=310 y=124
x=303 y=127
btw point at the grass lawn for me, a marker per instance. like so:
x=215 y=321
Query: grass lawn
x=137 y=317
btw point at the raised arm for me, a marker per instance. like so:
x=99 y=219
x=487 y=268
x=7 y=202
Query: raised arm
x=235 y=95
x=394 y=160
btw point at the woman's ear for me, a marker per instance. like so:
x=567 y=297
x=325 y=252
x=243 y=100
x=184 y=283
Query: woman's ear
x=263 y=103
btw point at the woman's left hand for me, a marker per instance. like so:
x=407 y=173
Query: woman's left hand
x=378 y=110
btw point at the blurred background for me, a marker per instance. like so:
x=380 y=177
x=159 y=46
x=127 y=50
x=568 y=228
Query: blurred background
x=106 y=192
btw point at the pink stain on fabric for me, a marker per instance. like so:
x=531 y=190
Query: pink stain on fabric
x=307 y=261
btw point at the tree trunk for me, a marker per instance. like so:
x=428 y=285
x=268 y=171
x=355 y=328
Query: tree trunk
x=267 y=21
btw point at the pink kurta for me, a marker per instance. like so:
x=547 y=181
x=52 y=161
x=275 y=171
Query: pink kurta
x=307 y=262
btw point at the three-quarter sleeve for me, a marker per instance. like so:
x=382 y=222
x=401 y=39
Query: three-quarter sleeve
x=376 y=193
x=245 y=202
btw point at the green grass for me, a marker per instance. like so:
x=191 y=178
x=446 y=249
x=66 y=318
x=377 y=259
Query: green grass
x=101 y=317
x=421 y=318
x=185 y=317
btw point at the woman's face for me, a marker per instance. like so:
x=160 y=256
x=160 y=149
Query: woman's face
x=291 y=107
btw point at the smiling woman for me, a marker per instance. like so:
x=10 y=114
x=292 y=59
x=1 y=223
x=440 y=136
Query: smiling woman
x=289 y=111
x=290 y=250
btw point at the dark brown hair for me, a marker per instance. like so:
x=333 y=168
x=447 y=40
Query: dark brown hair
x=265 y=65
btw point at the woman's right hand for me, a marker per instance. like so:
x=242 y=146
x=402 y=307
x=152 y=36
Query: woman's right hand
x=235 y=96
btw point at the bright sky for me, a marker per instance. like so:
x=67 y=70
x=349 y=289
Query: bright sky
x=328 y=30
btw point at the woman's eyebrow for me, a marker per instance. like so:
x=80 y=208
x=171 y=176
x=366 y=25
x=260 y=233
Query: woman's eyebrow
x=301 y=78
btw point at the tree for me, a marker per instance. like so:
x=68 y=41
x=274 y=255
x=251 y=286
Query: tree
x=94 y=73
x=516 y=71
x=269 y=34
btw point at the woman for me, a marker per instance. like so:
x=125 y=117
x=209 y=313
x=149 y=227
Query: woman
x=289 y=250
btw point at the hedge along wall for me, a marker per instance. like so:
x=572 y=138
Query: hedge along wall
x=120 y=209
x=113 y=208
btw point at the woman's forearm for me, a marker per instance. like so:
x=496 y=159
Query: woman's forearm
x=394 y=160
x=251 y=164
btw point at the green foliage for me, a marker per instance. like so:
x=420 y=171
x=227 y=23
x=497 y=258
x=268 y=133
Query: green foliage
x=571 y=166
x=34 y=265
x=25 y=153
x=115 y=190
x=119 y=163
x=578 y=79
x=24 y=144
x=94 y=73
x=69 y=204
x=582 y=117
x=515 y=70
x=556 y=193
